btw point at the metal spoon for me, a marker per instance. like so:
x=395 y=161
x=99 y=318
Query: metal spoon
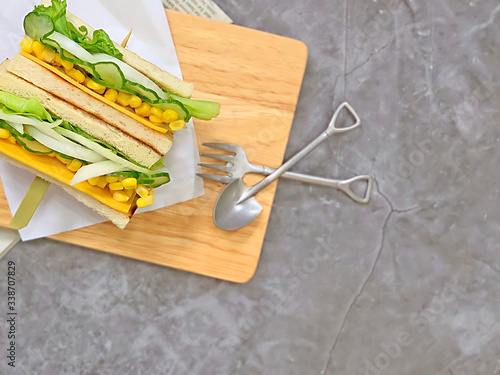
x=236 y=206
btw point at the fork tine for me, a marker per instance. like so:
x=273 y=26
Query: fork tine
x=222 y=146
x=214 y=177
x=221 y=157
x=217 y=167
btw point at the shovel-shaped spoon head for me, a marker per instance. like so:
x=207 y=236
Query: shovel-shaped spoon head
x=231 y=215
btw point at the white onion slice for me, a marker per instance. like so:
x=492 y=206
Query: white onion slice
x=19 y=127
x=25 y=120
x=101 y=150
x=130 y=73
x=71 y=46
x=95 y=170
x=73 y=150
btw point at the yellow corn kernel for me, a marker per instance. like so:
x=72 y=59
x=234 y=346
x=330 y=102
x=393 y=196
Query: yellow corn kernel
x=94 y=180
x=146 y=201
x=38 y=48
x=176 y=125
x=12 y=140
x=156 y=120
x=95 y=86
x=75 y=165
x=144 y=110
x=70 y=73
x=63 y=160
x=27 y=45
x=129 y=183
x=111 y=95
x=120 y=196
x=111 y=179
x=102 y=182
x=53 y=155
x=142 y=191
x=123 y=98
x=79 y=76
x=4 y=134
x=157 y=112
x=48 y=56
x=135 y=101
x=170 y=115
x=67 y=65
x=116 y=186
x=130 y=192
x=57 y=60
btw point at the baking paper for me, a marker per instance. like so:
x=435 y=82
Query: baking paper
x=152 y=40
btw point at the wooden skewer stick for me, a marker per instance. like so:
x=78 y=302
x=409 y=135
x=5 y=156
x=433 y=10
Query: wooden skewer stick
x=125 y=41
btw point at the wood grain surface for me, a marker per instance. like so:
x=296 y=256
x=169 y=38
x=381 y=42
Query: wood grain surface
x=256 y=77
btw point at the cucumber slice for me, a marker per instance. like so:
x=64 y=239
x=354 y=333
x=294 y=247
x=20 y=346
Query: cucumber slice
x=26 y=141
x=110 y=74
x=33 y=146
x=152 y=181
x=37 y=26
x=155 y=180
x=201 y=109
x=142 y=92
x=126 y=174
x=177 y=107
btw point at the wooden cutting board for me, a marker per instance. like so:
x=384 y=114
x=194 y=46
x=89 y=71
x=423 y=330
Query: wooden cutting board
x=256 y=77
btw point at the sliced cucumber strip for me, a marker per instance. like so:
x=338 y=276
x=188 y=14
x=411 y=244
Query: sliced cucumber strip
x=110 y=74
x=155 y=180
x=182 y=112
x=152 y=181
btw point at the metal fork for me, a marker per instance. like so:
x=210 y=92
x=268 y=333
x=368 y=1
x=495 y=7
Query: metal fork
x=237 y=166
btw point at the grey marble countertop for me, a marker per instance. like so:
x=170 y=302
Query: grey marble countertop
x=409 y=284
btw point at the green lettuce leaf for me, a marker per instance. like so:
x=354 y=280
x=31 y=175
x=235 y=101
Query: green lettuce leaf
x=19 y=106
x=36 y=26
x=101 y=43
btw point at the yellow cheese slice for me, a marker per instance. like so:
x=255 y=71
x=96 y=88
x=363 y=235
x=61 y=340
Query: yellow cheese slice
x=123 y=110
x=55 y=169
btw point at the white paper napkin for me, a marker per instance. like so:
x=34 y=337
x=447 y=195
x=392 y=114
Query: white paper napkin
x=152 y=40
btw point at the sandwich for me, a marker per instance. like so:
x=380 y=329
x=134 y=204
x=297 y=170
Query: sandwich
x=81 y=112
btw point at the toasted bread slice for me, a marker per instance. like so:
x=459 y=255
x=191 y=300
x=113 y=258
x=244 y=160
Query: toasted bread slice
x=39 y=76
x=123 y=142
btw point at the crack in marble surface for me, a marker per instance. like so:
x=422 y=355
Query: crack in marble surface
x=369 y=274
x=408 y=5
x=370 y=56
x=488 y=264
x=486 y=24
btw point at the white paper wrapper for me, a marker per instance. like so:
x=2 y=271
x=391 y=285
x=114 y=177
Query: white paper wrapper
x=152 y=40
